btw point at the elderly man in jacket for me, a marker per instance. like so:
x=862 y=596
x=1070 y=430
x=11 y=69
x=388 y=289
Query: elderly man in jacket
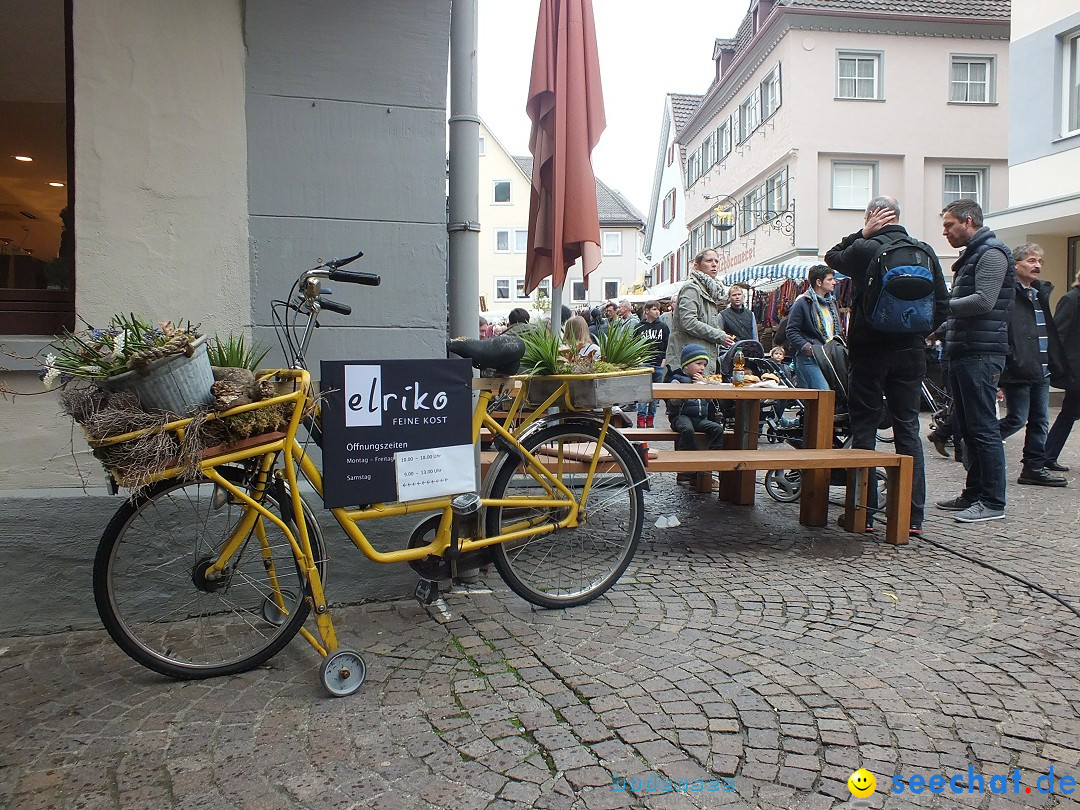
x=1033 y=350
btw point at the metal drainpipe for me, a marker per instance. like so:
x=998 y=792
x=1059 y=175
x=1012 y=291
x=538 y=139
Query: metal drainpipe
x=463 y=283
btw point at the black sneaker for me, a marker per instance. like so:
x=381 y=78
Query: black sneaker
x=1041 y=478
x=1055 y=467
x=915 y=531
x=956 y=504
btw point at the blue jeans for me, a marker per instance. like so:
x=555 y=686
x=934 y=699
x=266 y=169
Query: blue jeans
x=1070 y=412
x=896 y=375
x=974 y=380
x=807 y=373
x=649 y=408
x=1028 y=404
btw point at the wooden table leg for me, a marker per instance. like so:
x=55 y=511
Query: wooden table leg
x=855 y=501
x=747 y=427
x=898 y=504
x=817 y=434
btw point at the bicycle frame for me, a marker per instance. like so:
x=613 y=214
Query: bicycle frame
x=283 y=457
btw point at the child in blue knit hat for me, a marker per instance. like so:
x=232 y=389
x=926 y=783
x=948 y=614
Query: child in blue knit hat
x=690 y=416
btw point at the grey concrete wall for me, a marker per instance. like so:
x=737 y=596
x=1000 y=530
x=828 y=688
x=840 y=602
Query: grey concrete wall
x=47 y=547
x=1035 y=77
x=346 y=122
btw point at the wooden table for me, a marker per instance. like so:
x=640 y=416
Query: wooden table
x=739 y=486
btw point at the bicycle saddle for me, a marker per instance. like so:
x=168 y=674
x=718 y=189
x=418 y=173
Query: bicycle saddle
x=500 y=355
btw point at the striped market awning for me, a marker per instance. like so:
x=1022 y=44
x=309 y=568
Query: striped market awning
x=763 y=273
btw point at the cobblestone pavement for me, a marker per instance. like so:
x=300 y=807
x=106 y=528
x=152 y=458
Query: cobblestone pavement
x=739 y=647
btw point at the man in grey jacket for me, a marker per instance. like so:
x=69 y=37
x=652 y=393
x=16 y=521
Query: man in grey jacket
x=976 y=344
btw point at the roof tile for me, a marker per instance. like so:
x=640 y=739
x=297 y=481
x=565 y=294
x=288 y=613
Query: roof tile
x=613 y=207
x=683 y=106
x=992 y=9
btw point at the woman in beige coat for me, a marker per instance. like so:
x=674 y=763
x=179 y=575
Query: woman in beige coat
x=694 y=317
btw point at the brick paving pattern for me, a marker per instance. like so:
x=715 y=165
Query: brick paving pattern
x=738 y=646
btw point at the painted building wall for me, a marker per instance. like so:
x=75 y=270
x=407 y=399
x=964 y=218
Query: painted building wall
x=911 y=136
x=220 y=148
x=161 y=197
x=161 y=162
x=1044 y=161
x=496 y=164
x=666 y=239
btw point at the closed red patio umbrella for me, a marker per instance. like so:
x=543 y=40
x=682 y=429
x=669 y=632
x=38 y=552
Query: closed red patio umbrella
x=566 y=106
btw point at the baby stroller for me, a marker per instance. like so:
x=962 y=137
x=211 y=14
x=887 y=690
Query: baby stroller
x=786 y=485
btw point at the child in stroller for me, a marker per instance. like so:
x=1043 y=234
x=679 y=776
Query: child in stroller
x=786 y=485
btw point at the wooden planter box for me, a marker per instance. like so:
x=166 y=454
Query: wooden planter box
x=589 y=391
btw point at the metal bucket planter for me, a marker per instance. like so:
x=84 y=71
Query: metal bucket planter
x=588 y=391
x=176 y=383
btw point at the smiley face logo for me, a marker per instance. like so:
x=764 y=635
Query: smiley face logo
x=861 y=783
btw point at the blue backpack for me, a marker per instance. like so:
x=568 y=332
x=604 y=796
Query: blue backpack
x=899 y=294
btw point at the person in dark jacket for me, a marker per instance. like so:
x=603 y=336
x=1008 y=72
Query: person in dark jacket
x=976 y=344
x=689 y=416
x=518 y=321
x=885 y=364
x=736 y=318
x=1067 y=376
x=813 y=321
x=1033 y=351
x=656 y=332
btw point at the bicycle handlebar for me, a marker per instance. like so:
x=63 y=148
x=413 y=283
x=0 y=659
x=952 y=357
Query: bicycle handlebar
x=352 y=277
x=334 y=306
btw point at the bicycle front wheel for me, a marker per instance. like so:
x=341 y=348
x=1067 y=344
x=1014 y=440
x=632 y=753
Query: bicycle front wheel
x=570 y=566
x=160 y=605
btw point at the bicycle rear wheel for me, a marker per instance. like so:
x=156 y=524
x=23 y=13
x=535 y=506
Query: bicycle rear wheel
x=157 y=603
x=569 y=566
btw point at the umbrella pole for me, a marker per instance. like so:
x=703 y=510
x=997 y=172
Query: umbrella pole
x=556 y=309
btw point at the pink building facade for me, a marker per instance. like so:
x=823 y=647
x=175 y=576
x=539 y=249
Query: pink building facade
x=820 y=105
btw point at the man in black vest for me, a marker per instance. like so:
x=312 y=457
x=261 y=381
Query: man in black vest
x=889 y=364
x=1034 y=350
x=976 y=344
x=736 y=319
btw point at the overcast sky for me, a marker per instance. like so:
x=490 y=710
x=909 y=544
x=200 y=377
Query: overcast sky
x=647 y=48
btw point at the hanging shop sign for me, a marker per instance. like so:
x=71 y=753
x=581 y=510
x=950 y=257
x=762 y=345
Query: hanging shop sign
x=396 y=430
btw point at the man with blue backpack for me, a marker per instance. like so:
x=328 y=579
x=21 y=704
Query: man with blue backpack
x=899 y=297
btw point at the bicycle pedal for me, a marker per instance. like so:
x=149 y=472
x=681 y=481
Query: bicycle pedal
x=427 y=592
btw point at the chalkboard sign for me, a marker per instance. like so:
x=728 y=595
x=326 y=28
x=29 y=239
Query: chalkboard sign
x=396 y=430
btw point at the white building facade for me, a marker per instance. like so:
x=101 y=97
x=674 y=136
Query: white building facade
x=820 y=105
x=666 y=236
x=1044 y=137
x=505 y=183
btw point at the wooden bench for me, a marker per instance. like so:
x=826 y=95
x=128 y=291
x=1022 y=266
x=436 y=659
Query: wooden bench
x=813 y=509
x=635 y=434
x=814 y=504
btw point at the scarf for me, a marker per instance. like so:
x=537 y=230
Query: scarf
x=824 y=315
x=709 y=285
